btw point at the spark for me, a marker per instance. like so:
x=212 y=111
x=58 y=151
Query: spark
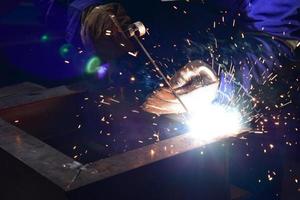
x=132 y=78
x=103 y=102
x=114 y=100
x=134 y=54
x=156 y=136
x=108 y=32
x=282 y=105
x=152 y=152
x=270 y=178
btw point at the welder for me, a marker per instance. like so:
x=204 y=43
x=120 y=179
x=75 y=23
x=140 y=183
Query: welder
x=261 y=33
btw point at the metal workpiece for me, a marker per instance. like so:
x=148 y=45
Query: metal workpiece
x=18 y=89
x=37 y=155
x=143 y=156
x=70 y=175
x=61 y=169
x=26 y=93
x=26 y=148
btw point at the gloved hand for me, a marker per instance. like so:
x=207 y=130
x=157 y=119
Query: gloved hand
x=100 y=33
x=196 y=84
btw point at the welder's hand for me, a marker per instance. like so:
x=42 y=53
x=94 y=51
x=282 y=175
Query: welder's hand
x=102 y=30
x=195 y=83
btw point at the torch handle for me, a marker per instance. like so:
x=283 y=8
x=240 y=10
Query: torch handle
x=160 y=72
x=150 y=58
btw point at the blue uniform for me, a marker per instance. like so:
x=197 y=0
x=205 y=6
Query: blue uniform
x=277 y=17
x=259 y=20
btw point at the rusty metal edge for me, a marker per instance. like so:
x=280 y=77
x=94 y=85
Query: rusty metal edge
x=40 y=96
x=55 y=166
x=143 y=156
x=39 y=156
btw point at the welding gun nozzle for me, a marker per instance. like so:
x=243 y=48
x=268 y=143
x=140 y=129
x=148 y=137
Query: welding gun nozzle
x=136 y=29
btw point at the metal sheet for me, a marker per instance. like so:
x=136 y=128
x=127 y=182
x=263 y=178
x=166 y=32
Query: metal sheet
x=130 y=160
x=36 y=154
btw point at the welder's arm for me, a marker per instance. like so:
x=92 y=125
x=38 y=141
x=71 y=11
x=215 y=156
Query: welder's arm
x=245 y=60
x=254 y=56
x=90 y=21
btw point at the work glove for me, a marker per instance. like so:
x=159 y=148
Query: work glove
x=102 y=30
x=195 y=84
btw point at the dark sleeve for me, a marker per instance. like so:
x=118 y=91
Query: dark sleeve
x=75 y=10
x=251 y=57
x=64 y=15
x=276 y=17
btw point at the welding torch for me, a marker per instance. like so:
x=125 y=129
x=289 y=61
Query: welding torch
x=137 y=30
